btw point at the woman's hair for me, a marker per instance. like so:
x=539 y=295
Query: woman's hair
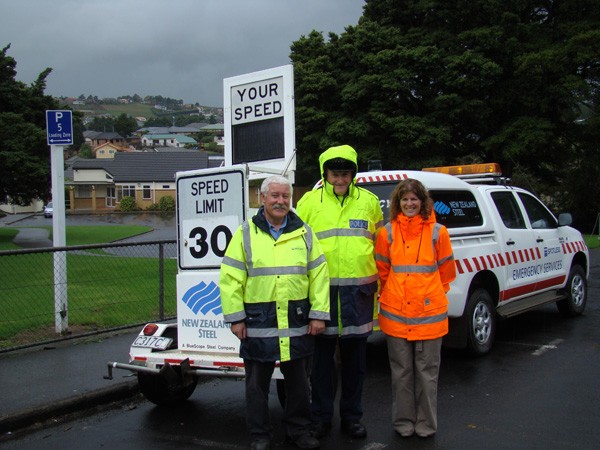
x=417 y=188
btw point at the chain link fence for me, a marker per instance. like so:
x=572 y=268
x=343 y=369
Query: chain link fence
x=63 y=292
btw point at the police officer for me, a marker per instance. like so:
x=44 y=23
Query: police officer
x=274 y=291
x=345 y=218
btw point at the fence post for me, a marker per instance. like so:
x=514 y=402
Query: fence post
x=161 y=281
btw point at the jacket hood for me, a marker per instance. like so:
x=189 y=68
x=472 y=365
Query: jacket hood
x=341 y=151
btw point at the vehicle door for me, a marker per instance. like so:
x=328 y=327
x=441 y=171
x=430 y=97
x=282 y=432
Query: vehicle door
x=520 y=255
x=551 y=270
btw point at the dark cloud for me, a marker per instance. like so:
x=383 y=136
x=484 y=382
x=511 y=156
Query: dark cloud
x=181 y=49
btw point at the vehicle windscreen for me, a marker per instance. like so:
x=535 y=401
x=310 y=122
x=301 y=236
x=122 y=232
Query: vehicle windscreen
x=453 y=208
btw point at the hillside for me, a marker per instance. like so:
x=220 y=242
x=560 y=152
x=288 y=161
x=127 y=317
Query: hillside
x=134 y=110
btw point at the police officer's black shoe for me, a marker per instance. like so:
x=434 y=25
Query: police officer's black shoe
x=354 y=429
x=260 y=444
x=304 y=441
x=320 y=429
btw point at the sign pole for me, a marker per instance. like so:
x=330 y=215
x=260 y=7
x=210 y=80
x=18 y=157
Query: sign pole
x=59 y=125
x=61 y=320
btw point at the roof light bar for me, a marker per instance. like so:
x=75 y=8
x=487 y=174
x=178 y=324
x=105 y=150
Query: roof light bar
x=468 y=169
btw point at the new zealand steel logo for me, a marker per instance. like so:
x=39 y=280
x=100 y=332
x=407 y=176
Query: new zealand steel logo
x=441 y=208
x=204 y=298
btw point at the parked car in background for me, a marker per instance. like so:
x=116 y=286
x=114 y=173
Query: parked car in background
x=48 y=209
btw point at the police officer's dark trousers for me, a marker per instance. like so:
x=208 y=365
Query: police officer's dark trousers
x=297 y=397
x=323 y=377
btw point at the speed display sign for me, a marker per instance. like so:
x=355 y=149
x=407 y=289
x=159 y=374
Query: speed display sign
x=211 y=204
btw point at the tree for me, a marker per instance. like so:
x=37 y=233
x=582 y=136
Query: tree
x=85 y=151
x=102 y=123
x=24 y=152
x=125 y=125
x=429 y=82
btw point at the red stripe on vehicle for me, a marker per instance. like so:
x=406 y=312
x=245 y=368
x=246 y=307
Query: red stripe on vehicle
x=516 y=291
x=496 y=259
x=556 y=281
x=469 y=268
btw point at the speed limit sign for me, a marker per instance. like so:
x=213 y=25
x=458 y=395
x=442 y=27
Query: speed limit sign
x=211 y=205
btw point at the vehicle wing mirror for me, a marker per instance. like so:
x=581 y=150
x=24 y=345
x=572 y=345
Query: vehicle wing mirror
x=565 y=219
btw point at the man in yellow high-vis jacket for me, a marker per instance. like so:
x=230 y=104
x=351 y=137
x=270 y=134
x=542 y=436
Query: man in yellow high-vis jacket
x=345 y=219
x=275 y=293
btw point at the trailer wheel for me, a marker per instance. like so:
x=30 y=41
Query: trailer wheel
x=167 y=390
x=576 y=293
x=481 y=322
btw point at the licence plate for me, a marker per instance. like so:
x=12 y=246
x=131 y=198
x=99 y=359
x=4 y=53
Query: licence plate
x=156 y=342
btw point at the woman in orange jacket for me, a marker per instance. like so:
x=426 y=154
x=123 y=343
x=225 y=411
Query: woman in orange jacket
x=416 y=265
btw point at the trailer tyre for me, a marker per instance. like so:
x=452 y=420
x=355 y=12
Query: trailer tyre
x=161 y=391
x=481 y=322
x=576 y=293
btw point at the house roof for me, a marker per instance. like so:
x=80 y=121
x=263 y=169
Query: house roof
x=146 y=167
x=97 y=135
x=179 y=137
x=214 y=127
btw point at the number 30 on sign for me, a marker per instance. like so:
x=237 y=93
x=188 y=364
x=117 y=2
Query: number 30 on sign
x=203 y=242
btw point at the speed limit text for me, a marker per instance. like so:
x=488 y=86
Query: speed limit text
x=212 y=189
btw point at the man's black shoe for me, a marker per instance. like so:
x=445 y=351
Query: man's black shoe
x=304 y=441
x=320 y=429
x=354 y=429
x=260 y=444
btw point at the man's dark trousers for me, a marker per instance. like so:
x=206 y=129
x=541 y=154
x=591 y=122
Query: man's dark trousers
x=297 y=397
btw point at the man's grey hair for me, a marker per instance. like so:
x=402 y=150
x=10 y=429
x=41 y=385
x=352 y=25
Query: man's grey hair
x=275 y=179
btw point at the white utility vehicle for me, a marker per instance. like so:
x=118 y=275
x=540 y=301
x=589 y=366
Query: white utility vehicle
x=512 y=254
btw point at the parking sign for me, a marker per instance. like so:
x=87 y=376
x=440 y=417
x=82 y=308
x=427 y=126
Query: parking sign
x=59 y=126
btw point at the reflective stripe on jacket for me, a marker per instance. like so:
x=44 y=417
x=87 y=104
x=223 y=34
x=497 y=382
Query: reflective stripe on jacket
x=416 y=265
x=346 y=228
x=276 y=287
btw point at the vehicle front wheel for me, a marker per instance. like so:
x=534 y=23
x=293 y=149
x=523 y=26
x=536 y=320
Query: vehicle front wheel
x=576 y=293
x=481 y=322
x=169 y=389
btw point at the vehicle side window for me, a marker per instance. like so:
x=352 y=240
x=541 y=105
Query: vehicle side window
x=456 y=208
x=453 y=208
x=539 y=216
x=508 y=209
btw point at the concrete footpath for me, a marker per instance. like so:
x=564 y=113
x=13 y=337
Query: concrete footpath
x=39 y=383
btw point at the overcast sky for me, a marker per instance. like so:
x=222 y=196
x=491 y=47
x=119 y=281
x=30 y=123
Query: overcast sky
x=180 y=49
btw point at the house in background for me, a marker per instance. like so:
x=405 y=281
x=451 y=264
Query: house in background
x=100 y=184
x=108 y=150
x=97 y=138
x=167 y=140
